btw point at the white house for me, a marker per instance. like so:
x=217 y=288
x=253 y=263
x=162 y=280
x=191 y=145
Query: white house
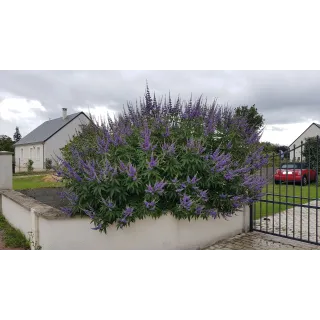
x=295 y=147
x=46 y=140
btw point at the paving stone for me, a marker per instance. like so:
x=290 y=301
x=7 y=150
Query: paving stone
x=261 y=241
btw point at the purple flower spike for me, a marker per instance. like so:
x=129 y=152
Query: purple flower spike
x=123 y=168
x=90 y=213
x=146 y=145
x=186 y=202
x=158 y=187
x=122 y=222
x=203 y=195
x=192 y=181
x=150 y=205
x=98 y=227
x=229 y=175
x=70 y=196
x=152 y=163
x=132 y=172
x=66 y=210
x=128 y=212
x=199 y=210
x=169 y=149
x=109 y=204
x=150 y=189
x=172 y=148
x=212 y=213
x=167 y=133
x=181 y=188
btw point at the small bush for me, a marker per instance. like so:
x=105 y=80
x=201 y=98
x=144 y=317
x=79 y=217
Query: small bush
x=190 y=159
x=30 y=166
x=48 y=164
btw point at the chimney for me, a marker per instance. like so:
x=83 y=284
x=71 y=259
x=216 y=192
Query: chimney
x=64 y=113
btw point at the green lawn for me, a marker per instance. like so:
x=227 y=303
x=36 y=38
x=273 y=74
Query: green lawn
x=33 y=182
x=267 y=209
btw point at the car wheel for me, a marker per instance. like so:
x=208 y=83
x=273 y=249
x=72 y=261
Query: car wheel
x=304 y=181
x=276 y=181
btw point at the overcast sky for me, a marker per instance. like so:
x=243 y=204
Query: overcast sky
x=289 y=100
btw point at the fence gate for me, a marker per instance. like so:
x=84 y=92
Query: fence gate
x=290 y=204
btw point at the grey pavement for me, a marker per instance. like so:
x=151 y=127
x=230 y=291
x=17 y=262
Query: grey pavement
x=261 y=241
x=299 y=223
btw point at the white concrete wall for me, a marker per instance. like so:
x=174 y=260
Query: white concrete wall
x=313 y=131
x=27 y=154
x=160 y=234
x=5 y=170
x=61 y=138
x=165 y=233
x=17 y=216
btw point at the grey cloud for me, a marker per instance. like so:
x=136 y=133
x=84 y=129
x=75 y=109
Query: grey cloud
x=281 y=96
x=276 y=129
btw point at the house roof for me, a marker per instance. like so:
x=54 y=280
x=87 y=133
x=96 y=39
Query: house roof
x=47 y=130
x=318 y=125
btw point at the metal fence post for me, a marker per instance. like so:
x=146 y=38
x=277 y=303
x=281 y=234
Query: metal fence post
x=251 y=217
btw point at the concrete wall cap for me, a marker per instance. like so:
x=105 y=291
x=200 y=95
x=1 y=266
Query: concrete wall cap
x=3 y=153
x=40 y=209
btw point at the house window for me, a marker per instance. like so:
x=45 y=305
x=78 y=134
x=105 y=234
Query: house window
x=21 y=153
x=31 y=153
x=38 y=153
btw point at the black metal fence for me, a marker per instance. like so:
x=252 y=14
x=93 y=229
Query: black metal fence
x=289 y=207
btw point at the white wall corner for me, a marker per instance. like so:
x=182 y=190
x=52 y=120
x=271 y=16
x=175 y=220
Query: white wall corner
x=34 y=235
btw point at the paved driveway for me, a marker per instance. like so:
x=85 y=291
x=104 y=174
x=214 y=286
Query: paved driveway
x=261 y=241
x=297 y=222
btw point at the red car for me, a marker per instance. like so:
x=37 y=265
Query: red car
x=295 y=172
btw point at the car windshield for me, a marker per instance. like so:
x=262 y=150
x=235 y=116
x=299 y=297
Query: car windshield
x=293 y=166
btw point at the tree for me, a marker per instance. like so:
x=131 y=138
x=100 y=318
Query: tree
x=268 y=147
x=6 y=143
x=254 y=118
x=17 y=135
x=277 y=153
x=311 y=152
x=283 y=149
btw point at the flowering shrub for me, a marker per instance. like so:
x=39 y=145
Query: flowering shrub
x=191 y=159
